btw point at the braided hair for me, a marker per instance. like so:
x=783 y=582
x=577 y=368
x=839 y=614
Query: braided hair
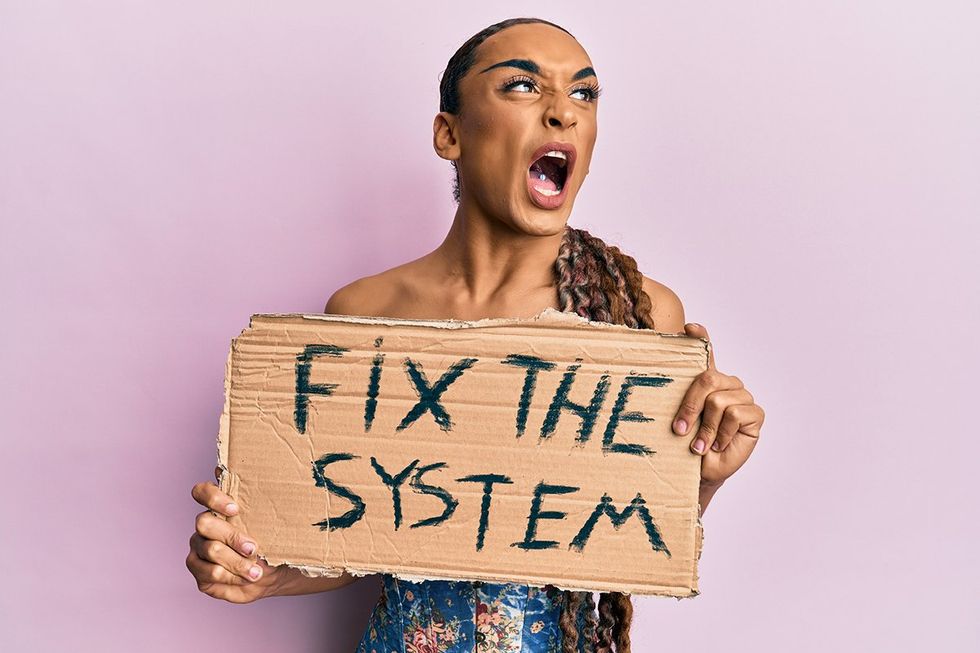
x=597 y=282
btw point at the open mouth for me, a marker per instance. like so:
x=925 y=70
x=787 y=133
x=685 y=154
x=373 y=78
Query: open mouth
x=548 y=173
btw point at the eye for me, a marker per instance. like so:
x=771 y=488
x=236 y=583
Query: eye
x=516 y=82
x=592 y=92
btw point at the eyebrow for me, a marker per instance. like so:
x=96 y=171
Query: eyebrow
x=531 y=67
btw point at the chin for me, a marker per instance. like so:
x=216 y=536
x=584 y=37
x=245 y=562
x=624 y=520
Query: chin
x=539 y=223
x=542 y=222
x=529 y=218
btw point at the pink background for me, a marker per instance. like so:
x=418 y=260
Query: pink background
x=804 y=176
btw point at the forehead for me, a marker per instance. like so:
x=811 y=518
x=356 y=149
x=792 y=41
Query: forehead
x=552 y=49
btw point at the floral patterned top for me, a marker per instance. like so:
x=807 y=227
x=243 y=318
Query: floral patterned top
x=456 y=616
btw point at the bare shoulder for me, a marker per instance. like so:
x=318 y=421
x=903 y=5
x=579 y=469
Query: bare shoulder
x=350 y=299
x=668 y=310
x=376 y=295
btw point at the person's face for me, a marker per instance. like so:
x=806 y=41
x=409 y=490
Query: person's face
x=508 y=113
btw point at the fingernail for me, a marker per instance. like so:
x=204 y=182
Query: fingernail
x=248 y=548
x=699 y=445
x=716 y=446
x=254 y=572
x=680 y=426
x=231 y=507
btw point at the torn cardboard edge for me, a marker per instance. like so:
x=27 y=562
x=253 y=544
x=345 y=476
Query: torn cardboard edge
x=330 y=572
x=549 y=317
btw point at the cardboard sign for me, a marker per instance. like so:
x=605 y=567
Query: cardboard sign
x=534 y=451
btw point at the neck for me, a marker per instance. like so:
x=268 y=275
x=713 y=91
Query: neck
x=485 y=257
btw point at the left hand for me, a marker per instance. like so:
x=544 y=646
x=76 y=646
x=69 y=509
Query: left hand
x=730 y=423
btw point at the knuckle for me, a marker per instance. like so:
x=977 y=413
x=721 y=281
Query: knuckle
x=709 y=381
x=215 y=574
x=737 y=381
x=713 y=402
x=735 y=413
x=235 y=598
x=201 y=522
x=213 y=549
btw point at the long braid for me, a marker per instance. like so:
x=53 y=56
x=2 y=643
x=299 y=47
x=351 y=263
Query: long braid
x=580 y=285
x=569 y=622
x=601 y=283
x=606 y=623
x=622 y=620
x=590 y=628
x=643 y=309
x=616 y=279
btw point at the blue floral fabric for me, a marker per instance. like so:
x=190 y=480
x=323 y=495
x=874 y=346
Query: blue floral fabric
x=456 y=616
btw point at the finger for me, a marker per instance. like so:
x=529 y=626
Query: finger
x=738 y=451
x=735 y=416
x=207 y=572
x=703 y=385
x=219 y=553
x=715 y=406
x=214 y=528
x=210 y=496
x=695 y=330
x=230 y=593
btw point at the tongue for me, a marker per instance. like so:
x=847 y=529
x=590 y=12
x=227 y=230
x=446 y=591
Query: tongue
x=536 y=172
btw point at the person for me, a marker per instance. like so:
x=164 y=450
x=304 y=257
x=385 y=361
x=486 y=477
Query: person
x=518 y=123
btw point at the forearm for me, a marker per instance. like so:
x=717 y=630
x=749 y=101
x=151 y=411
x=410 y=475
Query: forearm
x=294 y=582
x=705 y=493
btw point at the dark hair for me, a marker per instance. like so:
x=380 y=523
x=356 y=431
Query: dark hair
x=460 y=64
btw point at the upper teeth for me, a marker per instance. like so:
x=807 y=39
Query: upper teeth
x=557 y=154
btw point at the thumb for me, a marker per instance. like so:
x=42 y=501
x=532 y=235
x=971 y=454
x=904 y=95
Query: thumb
x=695 y=330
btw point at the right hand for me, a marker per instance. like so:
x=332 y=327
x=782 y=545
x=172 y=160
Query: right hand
x=222 y=557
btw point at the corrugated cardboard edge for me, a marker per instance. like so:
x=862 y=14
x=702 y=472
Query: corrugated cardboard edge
x=331 y=572
x=223 y=422
x=228 y=482
x=547 y=317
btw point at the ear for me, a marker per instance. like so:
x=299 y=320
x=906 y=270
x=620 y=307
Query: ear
x=444 y=136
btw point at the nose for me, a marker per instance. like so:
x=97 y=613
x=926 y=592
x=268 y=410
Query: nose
x=559 y=112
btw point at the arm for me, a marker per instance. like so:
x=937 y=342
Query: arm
x=730 y=418
x=705 y=493
x=292 y=582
